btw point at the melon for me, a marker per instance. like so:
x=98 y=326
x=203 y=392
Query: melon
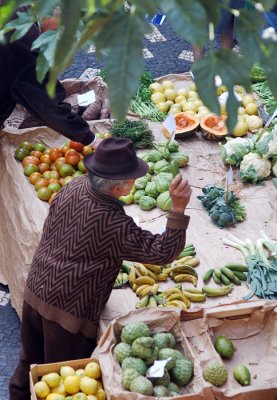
x=213 y=126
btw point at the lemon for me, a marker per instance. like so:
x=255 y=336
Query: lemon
x=240 y=129
x=192 y=86
x=170 y=94
x=88 y=385
x=67 y=371
x=55 y=396
x=41 y=389
x=247 y=99
x=52 y=379
x=157 y=97
x=99 y=385
x=163 y=107
x=93 y=370
x=80 y=396
x=72 y=384
x=80 y=372
x=60 y=389
x=168 y=84
x=251 y=109
x=101 y=395
x=179 y=99
x=156 y=87
x=182 y=92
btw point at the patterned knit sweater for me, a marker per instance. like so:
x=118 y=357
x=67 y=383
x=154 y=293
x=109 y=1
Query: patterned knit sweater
x=86 y=236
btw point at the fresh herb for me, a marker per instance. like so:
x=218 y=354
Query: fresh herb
x=266 y=96
x=137 y=131
x=224 y=207
x=257 y=74
x=261 y=261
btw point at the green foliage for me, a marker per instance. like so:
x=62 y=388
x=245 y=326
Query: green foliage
x=118 y=30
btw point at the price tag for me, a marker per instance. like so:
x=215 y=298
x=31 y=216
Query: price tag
x=170 y=126
x=86 y=99
x=157 y=369
x=158 y=19
x=230 y=176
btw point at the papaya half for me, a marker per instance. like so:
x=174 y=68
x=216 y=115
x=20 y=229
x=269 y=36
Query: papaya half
x=186 y=125
x=213 y=126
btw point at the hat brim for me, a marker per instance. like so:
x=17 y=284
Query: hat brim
x=141 y=169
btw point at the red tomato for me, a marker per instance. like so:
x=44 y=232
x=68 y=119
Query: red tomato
x=30 y=160
x=45 y=158
x=42 y=182
x=64 y=150
x=54 y=154
x=36 y=153
x=34 y=177
x=55 y=175
x=53 y=167
x=72 y=157
x=47 y=175
x=87 y=150
x=53 y=180
x=76 y=146
x=59 y=161
x=43 y=167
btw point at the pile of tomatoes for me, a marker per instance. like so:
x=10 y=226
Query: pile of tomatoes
x=49 y=169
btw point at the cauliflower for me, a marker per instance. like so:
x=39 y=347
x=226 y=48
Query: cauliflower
x=267 y=145
x=254 y=168
x=274 y=168
x=235 y=149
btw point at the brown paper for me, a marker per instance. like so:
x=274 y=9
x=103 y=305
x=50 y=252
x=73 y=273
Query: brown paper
x=158 y=320
x=254 y=337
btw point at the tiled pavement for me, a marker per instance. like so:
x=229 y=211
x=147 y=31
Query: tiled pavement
x=164 y=53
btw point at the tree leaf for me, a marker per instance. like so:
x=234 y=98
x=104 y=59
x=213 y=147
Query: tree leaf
x=188 y=18
x=46 y=42
x=6 y=11
x=267 y=4
x=42 y=67
x=45 y=8
x=212 y=12
x=147 y=6
x=20 y=25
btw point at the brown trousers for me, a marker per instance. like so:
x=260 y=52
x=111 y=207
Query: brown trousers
x=42 y=342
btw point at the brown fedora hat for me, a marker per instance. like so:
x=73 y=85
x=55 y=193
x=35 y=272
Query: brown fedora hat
x=115 y=158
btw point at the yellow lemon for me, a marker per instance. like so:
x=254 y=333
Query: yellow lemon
x=72 y=384
x=67 y=371
x=80 y=372
x=101 y=395
x=99 y=385
x=88 y=385
x=52 y=379
x=41 y=389
x=93 y=370
x=60 y=389
x=80 y=396
x=55 y=396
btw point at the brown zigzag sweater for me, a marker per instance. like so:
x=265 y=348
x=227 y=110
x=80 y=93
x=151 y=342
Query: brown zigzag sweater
x=86 y=236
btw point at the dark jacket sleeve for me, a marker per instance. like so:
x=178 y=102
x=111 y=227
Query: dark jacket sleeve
x=142 y=246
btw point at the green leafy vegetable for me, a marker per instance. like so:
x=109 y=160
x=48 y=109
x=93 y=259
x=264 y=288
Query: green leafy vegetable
x=137 y=131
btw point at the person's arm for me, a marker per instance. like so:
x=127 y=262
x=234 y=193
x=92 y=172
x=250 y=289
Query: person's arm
x=142 y=246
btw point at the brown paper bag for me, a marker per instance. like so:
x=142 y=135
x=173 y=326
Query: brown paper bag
x=158 y=320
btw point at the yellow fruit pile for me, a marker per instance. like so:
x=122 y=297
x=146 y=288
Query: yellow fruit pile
x=71 y=384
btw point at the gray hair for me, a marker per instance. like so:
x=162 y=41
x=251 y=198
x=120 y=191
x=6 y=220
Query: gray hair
x=103 y=185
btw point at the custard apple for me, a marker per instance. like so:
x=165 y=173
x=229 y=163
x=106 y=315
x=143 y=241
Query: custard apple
x=168 y=353
x=142 y=385
x=121 y=351
x=143 y=347
x=215 y=373
x=154 y=356
x=164 y=380
x=131 y=332
x=160 y=391
x=182 y=371
x=127 y=376
x=135 y=363
x=179 y=355
x=164 y=340
x=173 y=388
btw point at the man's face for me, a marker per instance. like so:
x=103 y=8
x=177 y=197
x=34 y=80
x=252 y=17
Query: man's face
x=123 y=190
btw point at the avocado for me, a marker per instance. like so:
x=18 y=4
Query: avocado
x=224 y=347
x=242 y=375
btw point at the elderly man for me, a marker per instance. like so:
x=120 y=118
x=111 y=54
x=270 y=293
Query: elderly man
x=86 y=236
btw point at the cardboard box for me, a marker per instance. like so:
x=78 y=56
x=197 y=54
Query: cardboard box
x=37 y=370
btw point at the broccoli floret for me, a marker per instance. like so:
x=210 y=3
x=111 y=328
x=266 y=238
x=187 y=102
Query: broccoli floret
x=211 y=194
x=221 y=214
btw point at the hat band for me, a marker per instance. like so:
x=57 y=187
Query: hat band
x=114 y=169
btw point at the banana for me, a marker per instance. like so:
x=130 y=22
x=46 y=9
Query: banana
x=166 y=270
x=161 y=277
x=132 y=276
x=186 y=278
x=141 y=288
x=193 y=290
x=145 y=280
x=138 y=273
x=215 y=292
x=179 y=296
x=168 y=292
x=195 y=297
x=155 y=288
x=182 y=260
x=146 y=291
x=143 y=302
x=134 y=287
x=142 y=269
x=208 y=275
x=125 y=277
x=152 y=302
x=154 y=268
x=194 y=262
x=177 y=303
x=184 y=269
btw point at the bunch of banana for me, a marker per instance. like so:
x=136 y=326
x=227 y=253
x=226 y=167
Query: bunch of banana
x=184 y=273
x=174 y=297
x=194 y=295
x=188 y=250
x=152 y=273
x=187 y=260
x=216 y=292
x=230 y=273
x=147 y=301
x=121 y=280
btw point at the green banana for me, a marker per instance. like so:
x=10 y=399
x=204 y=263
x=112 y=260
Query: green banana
x=143 y=302
x=208 y=275
x=216 y=292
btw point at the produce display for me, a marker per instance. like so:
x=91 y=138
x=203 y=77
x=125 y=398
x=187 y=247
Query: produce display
x=138 y=351
x=49 y=169
x=261 y=261
x=81 y=384
x=152 y=189
x=213 y=126
x=224 y=207
x=228 y=274
x=265 y=95
x=137 y=131
x=186 y=125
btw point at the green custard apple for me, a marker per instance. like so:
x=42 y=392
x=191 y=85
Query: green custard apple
x=121 y=351
x=160 y=391
x=133 y=331
x=127 y=377
x=182 y=372
x=142 y=385
x=135 y=363
x=215 y=373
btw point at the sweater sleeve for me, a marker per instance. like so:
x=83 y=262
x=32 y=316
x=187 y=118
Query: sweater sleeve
x=143 y=246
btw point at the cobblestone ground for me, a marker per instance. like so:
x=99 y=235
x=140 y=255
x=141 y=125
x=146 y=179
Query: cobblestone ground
x=164 y=53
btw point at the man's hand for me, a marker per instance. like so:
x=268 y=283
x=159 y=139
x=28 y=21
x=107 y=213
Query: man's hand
x=180 y=192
